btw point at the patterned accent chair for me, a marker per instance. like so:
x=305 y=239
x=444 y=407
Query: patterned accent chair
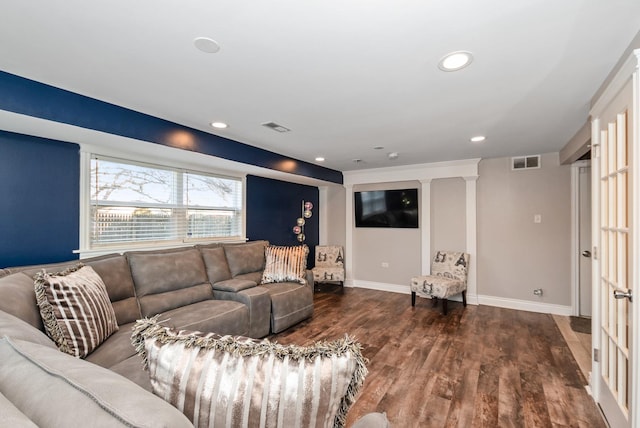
x=448 y=277
x=329 y=264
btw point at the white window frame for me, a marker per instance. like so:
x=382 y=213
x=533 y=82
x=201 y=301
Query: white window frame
x=178 y=159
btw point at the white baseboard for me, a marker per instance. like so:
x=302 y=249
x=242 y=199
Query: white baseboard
x=380 y=286
x=525 y=305
x=500 y=302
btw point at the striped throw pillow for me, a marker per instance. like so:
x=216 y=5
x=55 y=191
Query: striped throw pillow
x=75 y=309
x=234 y=381
x=285 y=264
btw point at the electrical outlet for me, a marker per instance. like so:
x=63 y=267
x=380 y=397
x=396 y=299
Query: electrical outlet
x=384 y=264
x=537 y=292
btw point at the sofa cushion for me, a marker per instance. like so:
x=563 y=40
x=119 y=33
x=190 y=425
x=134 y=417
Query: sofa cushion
x=115 y=349
x=11 y=326
x=75 y=309
x=220 y=316
x=63 y=391
x=284 y=264
x=236 y=381
x=132 y=368
x=245 y=258
x=18 y=298
x=215 y=261
x=116 y=275
x=169 y=279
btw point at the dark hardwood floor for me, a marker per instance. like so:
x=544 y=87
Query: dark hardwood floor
x=478 y=366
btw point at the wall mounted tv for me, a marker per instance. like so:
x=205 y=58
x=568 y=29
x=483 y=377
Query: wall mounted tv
x=387 y=208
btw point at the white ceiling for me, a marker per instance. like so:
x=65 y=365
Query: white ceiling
x=344 y=76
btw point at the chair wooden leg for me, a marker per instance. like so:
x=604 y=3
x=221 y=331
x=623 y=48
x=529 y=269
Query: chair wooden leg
x=434 y=302
x=444 y=306
x=413 y=298
x=464 y=298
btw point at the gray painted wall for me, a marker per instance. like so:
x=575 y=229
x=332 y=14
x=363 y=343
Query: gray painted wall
x=516 y=255
x=448 y=216
x=400 y=248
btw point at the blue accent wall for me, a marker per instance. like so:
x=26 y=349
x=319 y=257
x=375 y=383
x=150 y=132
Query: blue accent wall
x=273 y=207
x=28 y=97
x=39 y=200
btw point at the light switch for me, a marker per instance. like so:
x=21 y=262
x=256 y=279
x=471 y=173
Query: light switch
x=537 y=218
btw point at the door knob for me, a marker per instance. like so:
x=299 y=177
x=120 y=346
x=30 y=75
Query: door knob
x=621 y=294
x=586 y=253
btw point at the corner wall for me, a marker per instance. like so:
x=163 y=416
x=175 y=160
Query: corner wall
x=516 y=255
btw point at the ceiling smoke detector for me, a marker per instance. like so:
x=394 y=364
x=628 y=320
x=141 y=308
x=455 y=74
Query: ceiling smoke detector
x=276 y=127
x=206 y=45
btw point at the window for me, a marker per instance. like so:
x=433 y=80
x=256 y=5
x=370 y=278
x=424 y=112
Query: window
x=135 y=203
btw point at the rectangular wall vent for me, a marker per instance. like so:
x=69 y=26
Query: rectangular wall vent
x=525 y=162
x=276 y=127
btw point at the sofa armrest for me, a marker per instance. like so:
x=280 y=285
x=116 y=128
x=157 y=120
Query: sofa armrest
x=64 y=391
x=258 y=301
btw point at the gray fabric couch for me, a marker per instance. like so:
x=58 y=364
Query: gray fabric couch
x=213 y=288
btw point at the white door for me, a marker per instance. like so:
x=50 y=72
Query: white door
x=615 y=238
x=584 y=241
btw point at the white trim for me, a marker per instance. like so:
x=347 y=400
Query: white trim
x=596 y=333
x=323 y=215
x=425 y=226
x=459 y=168
x=380 y=286
x=634 y=400
x=471 y=237
x=617 y=83
x=524 y=305
x=349 y=222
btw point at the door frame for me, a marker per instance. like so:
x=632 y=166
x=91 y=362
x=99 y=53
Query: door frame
x=629 y=70
x=575 y=237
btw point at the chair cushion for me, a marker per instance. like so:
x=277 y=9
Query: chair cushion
x=437 y=286
x=328 y=274
x=75 y=309
x=285 y=264
x=236 y=381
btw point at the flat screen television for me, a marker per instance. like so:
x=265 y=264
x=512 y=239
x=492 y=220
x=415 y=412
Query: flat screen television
x=387 y=208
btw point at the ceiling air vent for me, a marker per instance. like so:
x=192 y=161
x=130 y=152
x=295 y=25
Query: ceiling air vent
x=525 y=162
x=276 y=127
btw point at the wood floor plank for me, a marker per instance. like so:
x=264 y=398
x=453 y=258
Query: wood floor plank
x=478 y=366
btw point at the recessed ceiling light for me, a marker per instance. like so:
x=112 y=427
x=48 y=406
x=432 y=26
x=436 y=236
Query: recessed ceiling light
x=455 y=61
x=219 y=125
x=206 y=44
x=478 y=138
x=319 y=159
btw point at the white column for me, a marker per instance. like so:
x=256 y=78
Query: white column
x=348 y=250
x=471 y=235
x=425 y=226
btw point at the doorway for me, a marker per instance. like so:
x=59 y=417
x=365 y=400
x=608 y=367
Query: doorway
x=581 y=257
